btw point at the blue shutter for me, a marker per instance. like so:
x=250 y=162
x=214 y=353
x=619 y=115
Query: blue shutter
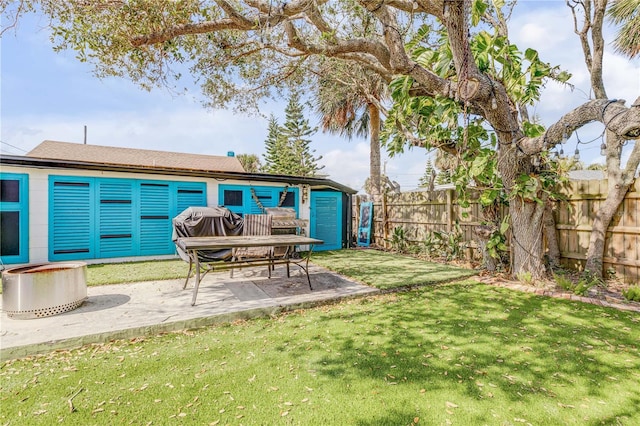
x=266 y=197
x=155 y=219
x=115 y=218
x=326 y=219
x=71 y=219
x=190 y=194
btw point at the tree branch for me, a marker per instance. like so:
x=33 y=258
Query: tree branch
x=235 y=20
x=622 y=121
x=399 y=61
x=187 y=29
x=372 y=48
x=592 y=55
x=632 y=163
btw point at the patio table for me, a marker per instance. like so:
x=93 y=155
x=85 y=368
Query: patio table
x=192 y=245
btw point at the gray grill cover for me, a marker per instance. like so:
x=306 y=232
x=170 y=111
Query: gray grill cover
x=206 y=222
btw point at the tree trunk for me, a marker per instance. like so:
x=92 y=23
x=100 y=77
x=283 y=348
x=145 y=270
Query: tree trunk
x=374 y=155
x=619 y=182
x=527 y=248
x=595 y=253
x=526 y=219
x=553 y=250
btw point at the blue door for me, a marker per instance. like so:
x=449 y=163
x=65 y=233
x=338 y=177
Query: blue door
x=326 y=219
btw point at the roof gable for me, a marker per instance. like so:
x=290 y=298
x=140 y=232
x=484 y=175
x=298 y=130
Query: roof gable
x=67 y=151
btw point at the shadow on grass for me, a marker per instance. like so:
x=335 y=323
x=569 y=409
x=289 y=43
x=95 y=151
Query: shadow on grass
x=473 y=346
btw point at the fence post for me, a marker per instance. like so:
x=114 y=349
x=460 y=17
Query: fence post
x=385 y=220
x=449 y=210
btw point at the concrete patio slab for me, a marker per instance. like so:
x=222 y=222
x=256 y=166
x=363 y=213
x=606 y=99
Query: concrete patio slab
x=139 y=309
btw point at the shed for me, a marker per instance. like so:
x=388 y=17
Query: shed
x=69 y=201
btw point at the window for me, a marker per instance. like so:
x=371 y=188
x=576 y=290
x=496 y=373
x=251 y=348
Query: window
x=250 y=199
x=14 y=218
x=10 y=191
x=10 y=231
x=289 y=199
x=232 y=198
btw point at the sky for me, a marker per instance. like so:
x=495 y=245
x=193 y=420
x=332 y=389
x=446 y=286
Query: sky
x=51 y=96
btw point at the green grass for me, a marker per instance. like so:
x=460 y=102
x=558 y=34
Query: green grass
x=462 y=353
x=375 y=268
x=385 y=270
x=129 y=272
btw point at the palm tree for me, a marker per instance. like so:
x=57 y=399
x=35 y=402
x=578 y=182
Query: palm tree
x=348 y=100
x=626 y=14
x=250 y=162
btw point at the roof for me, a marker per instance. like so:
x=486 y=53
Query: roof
x=38 y=159
x=134 y=157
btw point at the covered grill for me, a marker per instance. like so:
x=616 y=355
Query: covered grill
x=206 y=222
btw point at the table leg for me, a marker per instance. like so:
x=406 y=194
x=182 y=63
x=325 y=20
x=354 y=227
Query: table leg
x=188 y=273
x=289 y=252
x=306 y=268
x=197 y=284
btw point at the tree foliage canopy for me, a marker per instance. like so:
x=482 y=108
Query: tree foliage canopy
x=446 y=61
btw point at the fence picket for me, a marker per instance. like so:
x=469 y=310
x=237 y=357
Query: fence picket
x=422 y=212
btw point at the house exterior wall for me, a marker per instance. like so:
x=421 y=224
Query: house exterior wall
x=39 y=203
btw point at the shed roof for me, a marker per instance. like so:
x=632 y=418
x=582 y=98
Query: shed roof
x=67 y=151
x=39 y=158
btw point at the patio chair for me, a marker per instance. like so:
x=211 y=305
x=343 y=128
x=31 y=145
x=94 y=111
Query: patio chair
x=255 y=224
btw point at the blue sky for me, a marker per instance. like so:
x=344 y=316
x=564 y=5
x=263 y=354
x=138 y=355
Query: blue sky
x=48 y=95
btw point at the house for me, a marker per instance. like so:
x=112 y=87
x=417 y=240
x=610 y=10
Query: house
x=67 y=201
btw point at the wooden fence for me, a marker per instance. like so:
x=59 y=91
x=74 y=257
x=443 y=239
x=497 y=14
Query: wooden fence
x=422 y=212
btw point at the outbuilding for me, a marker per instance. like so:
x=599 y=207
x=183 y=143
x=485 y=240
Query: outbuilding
x=69 y=201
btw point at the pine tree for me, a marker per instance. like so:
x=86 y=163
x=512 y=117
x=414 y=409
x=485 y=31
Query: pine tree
x=278 y=157
x=287 y=147
x=443 y=178
x=297 y=132
x=429 y=177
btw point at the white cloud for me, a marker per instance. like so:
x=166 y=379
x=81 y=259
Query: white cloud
x=622 y=77
x=348 y=165
x=192 y=130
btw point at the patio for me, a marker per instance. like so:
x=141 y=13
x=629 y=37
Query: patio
x=138 y=309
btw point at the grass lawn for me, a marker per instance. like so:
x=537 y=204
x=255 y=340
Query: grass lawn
x=387 y=270
x=129 y=272
x=375 y=268
x=461 y=353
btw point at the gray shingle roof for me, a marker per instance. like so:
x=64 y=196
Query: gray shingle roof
x=67 y=151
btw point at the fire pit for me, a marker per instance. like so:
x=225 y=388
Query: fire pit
x=42 y=290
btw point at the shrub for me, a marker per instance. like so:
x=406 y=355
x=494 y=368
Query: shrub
x=632 y=293
x=525 y=277
x=581 y=288
x=563 y=282
x=447 y=245
x=398 y=241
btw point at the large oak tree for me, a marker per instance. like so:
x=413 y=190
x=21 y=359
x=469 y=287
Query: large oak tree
x=240 y=51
